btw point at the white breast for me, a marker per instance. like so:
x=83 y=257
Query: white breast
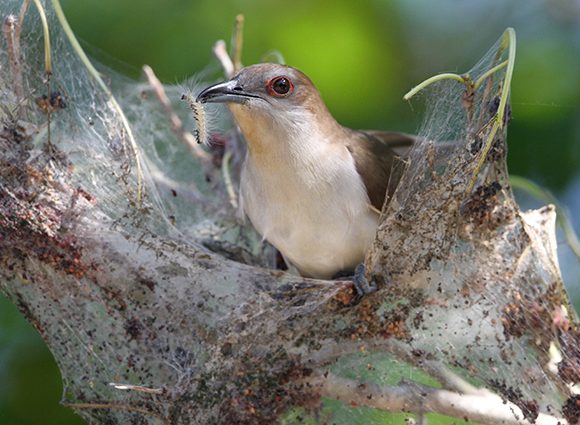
x=311 y=204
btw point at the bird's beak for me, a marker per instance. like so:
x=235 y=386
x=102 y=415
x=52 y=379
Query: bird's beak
x=228 y=91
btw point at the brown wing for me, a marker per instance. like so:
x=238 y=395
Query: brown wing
x=383 y=154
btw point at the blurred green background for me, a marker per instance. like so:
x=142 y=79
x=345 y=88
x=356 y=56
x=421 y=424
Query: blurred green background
x=363 y=56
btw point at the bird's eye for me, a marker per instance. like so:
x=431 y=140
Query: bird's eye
x=280 y=87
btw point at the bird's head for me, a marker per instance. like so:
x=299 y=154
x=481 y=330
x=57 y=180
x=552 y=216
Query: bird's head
x=274 y=105
x=270 y=88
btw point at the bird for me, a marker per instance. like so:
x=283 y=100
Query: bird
x=311 y=187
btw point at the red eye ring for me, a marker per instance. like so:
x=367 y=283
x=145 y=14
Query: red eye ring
x=280 y=86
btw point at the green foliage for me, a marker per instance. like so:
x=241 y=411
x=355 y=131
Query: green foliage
x=30 y=385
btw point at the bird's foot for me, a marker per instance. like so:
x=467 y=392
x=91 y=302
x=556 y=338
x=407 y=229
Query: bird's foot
x=361 y=284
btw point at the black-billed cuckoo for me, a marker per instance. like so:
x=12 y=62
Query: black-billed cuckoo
x=311 y=187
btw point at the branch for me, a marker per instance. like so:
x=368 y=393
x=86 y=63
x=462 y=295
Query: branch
x=488 y=409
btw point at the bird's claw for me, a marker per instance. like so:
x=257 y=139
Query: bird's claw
x=361 y=284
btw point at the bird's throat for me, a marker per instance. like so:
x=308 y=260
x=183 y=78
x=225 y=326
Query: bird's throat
x=257 y=131
x=293 y=137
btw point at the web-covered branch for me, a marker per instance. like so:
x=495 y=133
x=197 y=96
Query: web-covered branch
x=146 y=277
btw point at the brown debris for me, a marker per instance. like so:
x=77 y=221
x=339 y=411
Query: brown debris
x=514 y=320
x=479 y=207
x=52 y=103
x=346 y=296
x=530 y=408
x=37 y=218
x=396 y=328
x=569 y=367
x=134 y=328
x=571 y=409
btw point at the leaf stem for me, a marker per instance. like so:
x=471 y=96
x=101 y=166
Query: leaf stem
x=491 y=71
x=46 y=36
x=434 y=79
x=509 y=42
x=95 y=74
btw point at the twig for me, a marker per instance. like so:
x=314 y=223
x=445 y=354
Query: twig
x=176 y=123
x=15 y=53
x=238 y=43
x=138 y=388
x=47 y=64
x=11 y=34
x=449 y=380
x=488 y=409
x=117 y=406
x=228 y=179
x=21 y=16
x=221 y=53
x=231 y=67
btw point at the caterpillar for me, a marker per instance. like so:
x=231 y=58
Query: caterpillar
x=200 y=133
